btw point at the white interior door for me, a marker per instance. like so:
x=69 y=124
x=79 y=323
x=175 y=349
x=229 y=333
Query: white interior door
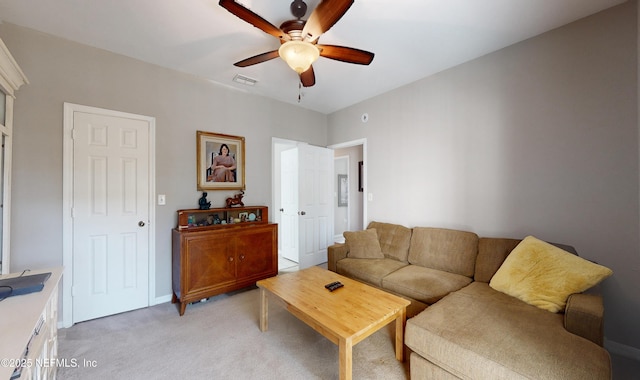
x=315 y=211
x=110 y=215
x=289 y=204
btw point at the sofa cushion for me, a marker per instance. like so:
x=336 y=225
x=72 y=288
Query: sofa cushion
x=479 y=333
x=491 y=255
x=370 y=271
x=448 y=250
x=394 y=240
x=493 y=251
x=363 y=244
x=424 y=284
x=544 y=275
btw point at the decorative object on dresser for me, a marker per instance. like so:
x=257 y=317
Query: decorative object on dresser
x=210 y=258
x=219 y=161
x=203 y=203
x=236 y=200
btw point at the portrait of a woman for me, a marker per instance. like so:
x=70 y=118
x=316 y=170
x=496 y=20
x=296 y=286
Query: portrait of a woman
x=223 y=166
x=219 y=161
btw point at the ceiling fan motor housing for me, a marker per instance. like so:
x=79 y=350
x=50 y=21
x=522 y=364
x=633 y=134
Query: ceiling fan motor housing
x=293 y=28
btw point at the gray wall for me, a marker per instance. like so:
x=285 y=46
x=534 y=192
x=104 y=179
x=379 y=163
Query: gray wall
x=61 y=71
x=540 y=138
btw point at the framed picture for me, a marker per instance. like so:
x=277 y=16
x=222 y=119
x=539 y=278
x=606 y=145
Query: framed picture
x=360 y=164
x=343 y=190
x=219 y=161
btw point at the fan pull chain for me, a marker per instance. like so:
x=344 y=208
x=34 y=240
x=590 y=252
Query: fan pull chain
x=299 y=91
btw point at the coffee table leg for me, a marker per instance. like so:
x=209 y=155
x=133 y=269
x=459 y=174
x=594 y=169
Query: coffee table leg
x=345 y=352
x=264 y=310
x=400 y=321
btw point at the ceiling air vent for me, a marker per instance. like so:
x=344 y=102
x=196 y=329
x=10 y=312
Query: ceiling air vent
x=245 y=80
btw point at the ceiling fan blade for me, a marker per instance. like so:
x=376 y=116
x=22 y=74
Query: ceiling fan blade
x=346 y=54
x=308 y=78
x=326 y=14
x=252 y=18
x=258 y=59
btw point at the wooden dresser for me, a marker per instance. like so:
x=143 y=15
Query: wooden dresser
x=29 y=331
x=220 y=250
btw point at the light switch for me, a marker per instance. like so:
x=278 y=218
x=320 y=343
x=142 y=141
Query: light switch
x=162 y=200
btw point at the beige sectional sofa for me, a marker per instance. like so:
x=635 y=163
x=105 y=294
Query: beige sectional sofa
x=459 y=326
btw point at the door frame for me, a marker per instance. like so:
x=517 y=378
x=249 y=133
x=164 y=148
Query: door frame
x=67 y=198
x=275 y=175
x=348 y=144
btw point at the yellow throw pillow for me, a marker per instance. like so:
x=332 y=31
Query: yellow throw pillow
x=363 y=244
x=544 y=275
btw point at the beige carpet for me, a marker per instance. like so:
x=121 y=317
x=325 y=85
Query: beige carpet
x=217 y=339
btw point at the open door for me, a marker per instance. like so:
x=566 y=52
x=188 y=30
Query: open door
x=289 y=204
x=307 y=211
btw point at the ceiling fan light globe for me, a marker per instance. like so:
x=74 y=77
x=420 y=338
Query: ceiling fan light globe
x=299 y=55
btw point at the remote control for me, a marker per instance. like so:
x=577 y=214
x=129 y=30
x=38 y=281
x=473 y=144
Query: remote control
x=334 y=286
x=329 y=286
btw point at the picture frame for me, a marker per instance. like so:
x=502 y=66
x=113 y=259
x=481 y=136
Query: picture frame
x=360 y=165
x=210 y=150
x=343 y=190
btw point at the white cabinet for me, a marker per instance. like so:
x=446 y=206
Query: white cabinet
x=29 y=333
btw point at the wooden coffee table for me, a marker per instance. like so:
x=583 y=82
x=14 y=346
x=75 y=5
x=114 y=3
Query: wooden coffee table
x=345 y=316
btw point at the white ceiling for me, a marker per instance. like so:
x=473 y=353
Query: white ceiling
x=411 y=39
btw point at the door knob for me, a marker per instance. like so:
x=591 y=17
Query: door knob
x=141 y=224
x=302 y=213
x=281 y=210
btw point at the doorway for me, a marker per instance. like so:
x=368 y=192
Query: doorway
x=350 y=160
x=278 y=146
x=109 y=213
x=343 y=196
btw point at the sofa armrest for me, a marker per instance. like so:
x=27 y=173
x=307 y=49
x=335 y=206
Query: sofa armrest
x=336 y=253
x=584 y=316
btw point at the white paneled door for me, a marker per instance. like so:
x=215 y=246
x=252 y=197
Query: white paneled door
x=289 y=204
x=307 y=218
x=110 y=215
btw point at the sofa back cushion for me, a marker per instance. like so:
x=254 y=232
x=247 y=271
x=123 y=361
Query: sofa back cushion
x=491 y=254
x=394 y=240
x=443 y=249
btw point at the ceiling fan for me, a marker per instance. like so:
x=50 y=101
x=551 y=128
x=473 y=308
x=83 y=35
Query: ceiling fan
x=299 y=38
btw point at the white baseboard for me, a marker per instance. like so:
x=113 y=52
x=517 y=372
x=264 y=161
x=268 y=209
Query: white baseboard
x=622 y=349
x=162 y=299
